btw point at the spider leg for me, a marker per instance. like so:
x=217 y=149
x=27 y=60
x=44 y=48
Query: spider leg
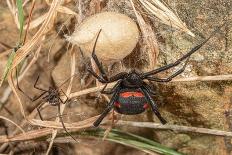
x=103 y=77
x=62 y=122
x=153 y=106
x=38 y=110
x=96 y=60
x=103 y=91
x=65 y=96
x=90 y=69
x=107 y=109
x=193 y=50
x=110 y=79
x=35 y=85
x=100 y=79
x=168 y=79
x=149 y=89
x=32 y=99
x=39 y=96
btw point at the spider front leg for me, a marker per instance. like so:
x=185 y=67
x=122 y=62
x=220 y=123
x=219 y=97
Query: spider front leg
x=107 y=109
x=178 y=61
x=35 y=86
x=168 y=79
x=96 y=60
x=153 y=106
x=92 y=72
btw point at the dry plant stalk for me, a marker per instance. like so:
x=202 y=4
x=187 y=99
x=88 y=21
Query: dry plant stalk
x=36 y=22
x=190 y=79
x=158 y=9
x=175 y=128
x=56 y=125
x=34 y=134
x=7 y=119
x=149 y=38
x=205 y=78
x=27 y=47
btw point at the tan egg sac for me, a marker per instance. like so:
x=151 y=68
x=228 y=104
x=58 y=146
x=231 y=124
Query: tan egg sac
x=117 y=39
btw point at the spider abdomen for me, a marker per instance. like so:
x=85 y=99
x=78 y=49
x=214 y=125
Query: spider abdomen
x=130 y=102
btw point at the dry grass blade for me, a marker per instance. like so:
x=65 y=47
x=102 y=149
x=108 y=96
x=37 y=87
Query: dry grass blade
x=12 y=85
x=13 y=11
x=66 y=10
x=4 y=118
x=63 y=9
x=31 y=135
x=189 y=79
x=11 y=81
x=8 y=90
x=205 y=78
x=57 y=125
x=149 y=38
x=36 y=22
x=29 y=21
x=162 y=12
x=175 y=128
x=27 y=47
x=90 y=90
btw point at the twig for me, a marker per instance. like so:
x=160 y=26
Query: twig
x=31 y=135
x=29 y=21
x=149 y=38
x=7 y=119
x=204 y=78
x=175 y=128
x=57 y=125
x=189 y=79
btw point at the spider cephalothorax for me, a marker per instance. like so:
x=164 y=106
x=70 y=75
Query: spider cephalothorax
x=131 y=94
x=53 y=96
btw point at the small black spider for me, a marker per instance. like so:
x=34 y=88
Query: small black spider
x=131 y=94
x=50 y=95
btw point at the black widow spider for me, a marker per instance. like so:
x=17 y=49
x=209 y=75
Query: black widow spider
x=52 y=97
x=131 y=94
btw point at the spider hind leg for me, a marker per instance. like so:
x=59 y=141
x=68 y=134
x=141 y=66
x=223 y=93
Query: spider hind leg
x=154 y=106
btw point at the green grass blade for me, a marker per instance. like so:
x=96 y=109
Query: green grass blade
x=19 y=4
x=8 y=66
x=132 y=140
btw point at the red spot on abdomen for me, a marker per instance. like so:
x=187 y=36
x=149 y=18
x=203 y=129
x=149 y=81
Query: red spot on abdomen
x=129 y=94
x=145 y=106
x=117 y=104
